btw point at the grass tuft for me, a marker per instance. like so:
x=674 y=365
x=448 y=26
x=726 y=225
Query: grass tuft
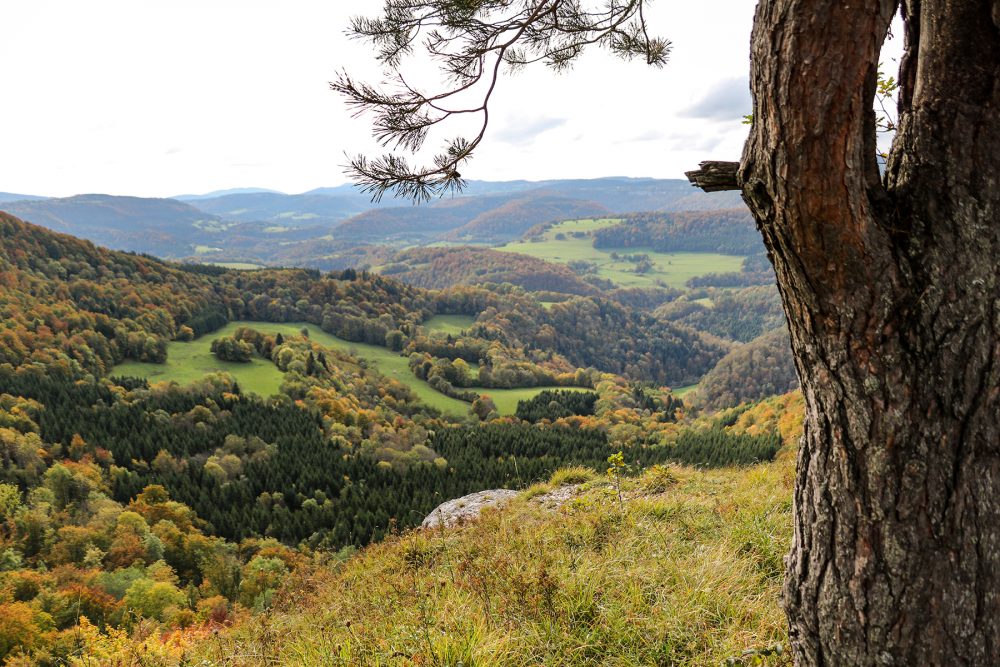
x=574 y=475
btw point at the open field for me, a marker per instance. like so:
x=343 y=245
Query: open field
x=239 y=266
x=188 y=362
x=679 y=392
x=506 y=399
x=449 y=324
x=575 y=243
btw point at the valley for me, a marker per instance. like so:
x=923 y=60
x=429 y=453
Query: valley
x=406 y=379
x=184 y=442
x=189 y=362
x=325 y=228
x=572 y=241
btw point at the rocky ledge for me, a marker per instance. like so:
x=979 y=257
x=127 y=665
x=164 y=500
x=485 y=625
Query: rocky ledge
x=460 y=510
x=466 y=508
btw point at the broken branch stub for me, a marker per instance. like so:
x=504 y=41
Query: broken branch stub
x=715 y=176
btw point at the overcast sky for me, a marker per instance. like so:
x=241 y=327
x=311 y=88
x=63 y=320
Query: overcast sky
x=159 y=98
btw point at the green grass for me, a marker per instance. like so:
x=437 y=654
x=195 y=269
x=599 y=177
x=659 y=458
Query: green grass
x=203 y=249
x=449 y=324
x=673 y=269
x=188 y=362
x=240 y=266
x=687 y=571
x=679 y=392
x=506 y=399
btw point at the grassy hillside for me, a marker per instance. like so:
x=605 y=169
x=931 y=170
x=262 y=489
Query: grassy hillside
x=187 y=362
x=572 y=241
x=190 y=361
x=685 y=570
x=163 y=227
x=449 y=324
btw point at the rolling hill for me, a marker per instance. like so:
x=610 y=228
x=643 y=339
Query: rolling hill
x=10 y=196
x=438 y=268
x=319 y=228
x=145 y=489
x=513 y=219
x=284 y=209
x=164 y=227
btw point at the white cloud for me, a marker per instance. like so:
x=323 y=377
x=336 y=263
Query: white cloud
x=520 y=130
x=235 y=91
x=726 y=100
x=706 y=142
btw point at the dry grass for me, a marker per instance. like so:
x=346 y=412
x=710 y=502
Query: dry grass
x=688 y=574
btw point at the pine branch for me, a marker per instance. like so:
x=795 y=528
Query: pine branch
x=470 y=40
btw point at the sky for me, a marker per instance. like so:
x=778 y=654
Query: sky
x=159 y=98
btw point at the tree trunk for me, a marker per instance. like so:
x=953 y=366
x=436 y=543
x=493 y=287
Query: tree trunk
x=891 y=289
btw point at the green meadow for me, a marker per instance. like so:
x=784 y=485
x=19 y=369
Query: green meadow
x=188 y=362
x=506 y=399
x=572 y=240
x=239 y=266
x=679 y=392
x=449 y=324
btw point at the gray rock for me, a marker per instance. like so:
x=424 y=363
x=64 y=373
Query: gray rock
x=466 y=508
x=555 y=499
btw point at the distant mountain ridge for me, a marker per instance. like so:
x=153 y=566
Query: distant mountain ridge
x=514 y=218
x=10 y=196
x=328 y=205
x=284 y=209
x=224 y=193
x=163 y=227
x=255 y=225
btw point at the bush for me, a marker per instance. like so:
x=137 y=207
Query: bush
x=556 y=404
x=231 y=349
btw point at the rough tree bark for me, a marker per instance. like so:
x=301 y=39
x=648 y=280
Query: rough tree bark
x=891 y=289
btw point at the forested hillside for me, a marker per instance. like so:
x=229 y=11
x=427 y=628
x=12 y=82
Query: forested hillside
x=323 y=228
x=739 y=314
x=731 y=231
x=438 y=268
x=761 y=368
x=157 y=226
x=667 y=565
x=189 y=504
